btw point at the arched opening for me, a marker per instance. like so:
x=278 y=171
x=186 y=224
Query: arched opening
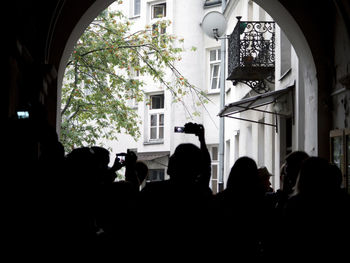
x=306 y=117
x=307 y=122
x=97 y=7
x=306 y=113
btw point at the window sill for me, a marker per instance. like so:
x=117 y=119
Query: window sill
x=134 y=17
x=153 y=142
x=213 y=92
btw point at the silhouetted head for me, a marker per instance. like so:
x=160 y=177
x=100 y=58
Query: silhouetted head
x=101 y=156
x=265 y=175
x=186 y=163
x=244 y=174
x=317 y=177
x=81 y=166
x=291 y=169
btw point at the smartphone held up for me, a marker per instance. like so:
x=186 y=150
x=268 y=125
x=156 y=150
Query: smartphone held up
x=189 y=127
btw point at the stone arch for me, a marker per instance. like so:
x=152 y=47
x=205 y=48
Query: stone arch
x=307 y=72
x=285 y=20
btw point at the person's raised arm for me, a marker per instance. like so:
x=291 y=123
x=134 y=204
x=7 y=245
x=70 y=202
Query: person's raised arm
x=204 y=179
x=130 y=169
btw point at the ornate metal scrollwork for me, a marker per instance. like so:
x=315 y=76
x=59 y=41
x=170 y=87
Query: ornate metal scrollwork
x=252 y=54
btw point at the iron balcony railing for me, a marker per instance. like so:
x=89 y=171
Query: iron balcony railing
x=251 y=54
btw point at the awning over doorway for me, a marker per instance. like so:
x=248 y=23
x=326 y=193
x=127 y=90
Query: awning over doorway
x=149 y=156
x=254 y=103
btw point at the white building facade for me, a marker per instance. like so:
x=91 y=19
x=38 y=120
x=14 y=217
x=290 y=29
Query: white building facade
x=266 y=144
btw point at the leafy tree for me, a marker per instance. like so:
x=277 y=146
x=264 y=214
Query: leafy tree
x=100 y=78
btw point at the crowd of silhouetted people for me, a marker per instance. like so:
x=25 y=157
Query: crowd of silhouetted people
x=73 y=204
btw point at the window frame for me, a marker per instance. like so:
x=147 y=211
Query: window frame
x=214 y=181
x=342 y=162
x=158 y=171
x=157 y=112
x=164 y=10
x=212 y=65
x=154 y=20
x=133 y=9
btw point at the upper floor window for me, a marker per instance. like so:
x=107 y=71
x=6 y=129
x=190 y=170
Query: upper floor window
x=158 y=10
x=157 y=102
x=136 y=7
x=214 y=62
x=156 y=117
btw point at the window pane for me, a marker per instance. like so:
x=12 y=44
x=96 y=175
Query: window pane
x=154 y=27
x=137 y=7
x=214 y=83
x=154 y=120
x=214 y=153
x=161 y=133
x=154 y=133
x=214 y=172
x=212 y=55
x=337 y=150
x=155 y=175
x=214 y=186
x=159 y=10
x=157 y=101
x=216 y=70
x=162 y=30
x=219 y=54
x=161 y=119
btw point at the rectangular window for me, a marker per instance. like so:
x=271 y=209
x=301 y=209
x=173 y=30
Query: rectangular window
x=214 y=154
x=214 y=62
x=136 y=7
x=261 y=143
x=158 y=10
x=155 y=175
x=158 y=39
x=340 y=154
x=157 y=126
x=157 y=101
x=156 y=117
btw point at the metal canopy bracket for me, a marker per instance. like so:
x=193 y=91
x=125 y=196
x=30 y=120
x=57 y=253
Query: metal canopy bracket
x=253 y=103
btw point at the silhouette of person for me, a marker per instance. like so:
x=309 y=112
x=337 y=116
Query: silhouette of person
x=118 y=218
x=276 y=202
x=315 y=213
x=240 y=208
x=178 y=206
x=289 y=173
x=101 y=157
x=265 y=179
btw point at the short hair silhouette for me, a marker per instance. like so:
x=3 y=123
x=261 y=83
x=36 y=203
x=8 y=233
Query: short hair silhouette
x=101 y=155
x=185 y=163
x=317 y=176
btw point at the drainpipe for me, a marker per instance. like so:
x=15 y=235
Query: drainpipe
x=222 y=105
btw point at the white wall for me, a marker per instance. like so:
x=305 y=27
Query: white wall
x=186 y=17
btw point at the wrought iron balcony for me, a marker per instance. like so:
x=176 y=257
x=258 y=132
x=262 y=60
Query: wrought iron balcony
x=251 y=54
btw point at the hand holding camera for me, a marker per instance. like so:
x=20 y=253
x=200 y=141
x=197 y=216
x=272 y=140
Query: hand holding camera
x=124 y=159
x=192 y=128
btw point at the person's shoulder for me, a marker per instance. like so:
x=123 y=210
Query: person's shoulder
x=156 y=186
